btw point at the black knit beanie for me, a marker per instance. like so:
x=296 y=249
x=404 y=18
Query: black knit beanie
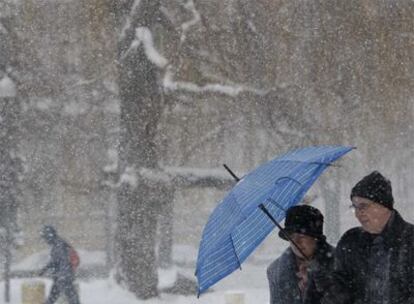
x=376 y=188
x=303 y=219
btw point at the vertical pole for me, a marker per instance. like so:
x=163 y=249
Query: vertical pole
x=7 y=265
x=108 y=234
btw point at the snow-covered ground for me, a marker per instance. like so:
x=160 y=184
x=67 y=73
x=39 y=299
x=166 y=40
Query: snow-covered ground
x=251 y=281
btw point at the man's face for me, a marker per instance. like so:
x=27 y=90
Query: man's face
x=307 y=244
x=372 y=216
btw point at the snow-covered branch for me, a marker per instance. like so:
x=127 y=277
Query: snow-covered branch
x=144 y=35
x=129 y=17
x=226 y=89
x=178 y=176
x=187 y=25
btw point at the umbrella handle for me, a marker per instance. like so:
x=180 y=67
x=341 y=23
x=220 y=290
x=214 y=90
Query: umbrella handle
x=286 y=235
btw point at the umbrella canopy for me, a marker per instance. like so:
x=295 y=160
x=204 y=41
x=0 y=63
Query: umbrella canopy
x=237 y=225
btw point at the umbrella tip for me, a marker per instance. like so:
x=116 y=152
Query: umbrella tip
x=231 y=173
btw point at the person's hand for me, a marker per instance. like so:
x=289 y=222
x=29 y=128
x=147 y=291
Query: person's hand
x=320 y=276
x=322 y=280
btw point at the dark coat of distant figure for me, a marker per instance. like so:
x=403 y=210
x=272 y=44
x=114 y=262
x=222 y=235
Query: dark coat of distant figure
x=59 y=267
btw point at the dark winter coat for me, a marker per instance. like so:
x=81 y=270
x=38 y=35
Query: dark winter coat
x=59 y=265
x=387 y=259
x=283 y=282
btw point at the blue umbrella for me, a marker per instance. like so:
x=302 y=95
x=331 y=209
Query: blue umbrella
x=238 y=224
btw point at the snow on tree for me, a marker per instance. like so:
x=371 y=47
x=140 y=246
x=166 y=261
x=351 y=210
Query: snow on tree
x=139 y=200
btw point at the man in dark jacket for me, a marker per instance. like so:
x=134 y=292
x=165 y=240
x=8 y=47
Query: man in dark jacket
x=59 y=267
x=374 y=262
x=292 y=276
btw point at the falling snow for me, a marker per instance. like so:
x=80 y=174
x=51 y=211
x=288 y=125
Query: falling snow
x=116 y=120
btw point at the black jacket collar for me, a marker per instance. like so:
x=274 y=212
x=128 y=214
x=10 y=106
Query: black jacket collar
x=392 y=233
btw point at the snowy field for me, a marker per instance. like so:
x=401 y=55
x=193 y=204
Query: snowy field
x=251 y=281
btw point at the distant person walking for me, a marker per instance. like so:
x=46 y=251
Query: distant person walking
x=62 y=264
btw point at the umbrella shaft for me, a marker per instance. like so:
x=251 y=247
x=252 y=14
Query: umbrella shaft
x=261 y=206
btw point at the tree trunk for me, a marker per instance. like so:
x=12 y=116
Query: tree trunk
x=137 y=224
x=139 y=202
x=165 y=230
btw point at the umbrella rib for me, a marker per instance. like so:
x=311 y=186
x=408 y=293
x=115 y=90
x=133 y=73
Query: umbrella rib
x=277 y=181
x=275 y=203
x=235 y=252
x=290 y=178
